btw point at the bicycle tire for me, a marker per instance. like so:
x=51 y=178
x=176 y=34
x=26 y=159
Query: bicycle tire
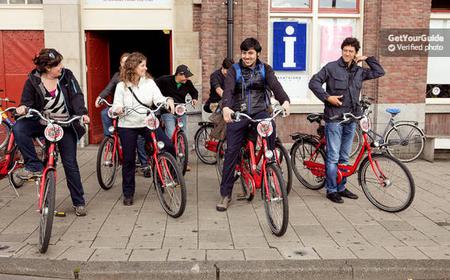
x=357 y=142
x=174 y=175
x=247 y=183
x=220 y=156
x=200 y=138
x=106 y=166
x=47 y=211
x=182 y=151
x=301 y=150
x=5 y=132
x=390 y=172
x=277 y=195
x=17 y=163
x=284 y=162
x=403 y=149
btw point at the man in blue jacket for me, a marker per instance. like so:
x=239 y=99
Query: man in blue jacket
x=343 y=79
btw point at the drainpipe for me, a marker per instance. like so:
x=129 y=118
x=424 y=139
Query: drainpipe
x=230 y=20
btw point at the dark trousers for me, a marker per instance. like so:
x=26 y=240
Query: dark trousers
x=236 y=134
x=27 y=129
x=128 y=139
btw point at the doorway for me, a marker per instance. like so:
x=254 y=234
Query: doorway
x=103 y=51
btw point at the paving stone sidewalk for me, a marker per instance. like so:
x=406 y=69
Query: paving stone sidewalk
x=318 y=229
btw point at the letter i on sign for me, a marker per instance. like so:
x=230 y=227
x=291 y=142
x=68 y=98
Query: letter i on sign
x=289 y=47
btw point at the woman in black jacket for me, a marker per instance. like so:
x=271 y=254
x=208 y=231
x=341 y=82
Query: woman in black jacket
x=55 y=92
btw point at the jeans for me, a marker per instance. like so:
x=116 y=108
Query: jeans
x=26 y=129
x=236 y=135
x=339 y=145
x=170 y=121
x=107 y=122
x=128 y=138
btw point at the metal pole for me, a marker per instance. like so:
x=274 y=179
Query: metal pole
x=229 y=4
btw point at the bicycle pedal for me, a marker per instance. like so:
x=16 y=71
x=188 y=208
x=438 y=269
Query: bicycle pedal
x=60 y=214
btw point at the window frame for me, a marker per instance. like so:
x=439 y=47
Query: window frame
x=340 y=10
x=291 y=10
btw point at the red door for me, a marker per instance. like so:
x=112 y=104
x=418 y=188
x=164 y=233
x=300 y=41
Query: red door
x=17 y=50
x=97 y=56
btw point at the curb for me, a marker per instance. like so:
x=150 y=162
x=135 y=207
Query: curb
x=261 y=270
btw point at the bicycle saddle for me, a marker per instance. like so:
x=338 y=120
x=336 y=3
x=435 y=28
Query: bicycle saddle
x=315 y=117
x=393 y=111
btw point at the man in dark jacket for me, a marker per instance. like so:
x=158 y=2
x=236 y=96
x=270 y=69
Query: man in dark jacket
x=246 y=93
x=217 y=81
x=343 y=79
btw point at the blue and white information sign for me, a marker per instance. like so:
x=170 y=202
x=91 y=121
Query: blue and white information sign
x=289 y=46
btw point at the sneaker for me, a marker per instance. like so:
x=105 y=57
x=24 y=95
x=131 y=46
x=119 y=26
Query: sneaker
x=80 y=210
x=335 y=197
x=223 y=203
x=26 y=174
x=128 y=201
x=348 y=194
x=147 y=172
x=188 y=168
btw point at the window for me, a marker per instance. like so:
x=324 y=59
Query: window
x=440 y=5
x=12 y=2
x=290 y=5
x=332 y=32
x=339 y=6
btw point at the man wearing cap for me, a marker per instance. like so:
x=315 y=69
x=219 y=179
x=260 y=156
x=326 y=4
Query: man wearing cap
x=177 y=87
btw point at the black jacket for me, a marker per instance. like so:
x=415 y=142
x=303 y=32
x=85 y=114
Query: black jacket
x=343 y=80
x=216 y=80
x=33 y=95
x=168 y=88
x=111 y=86
x=251 y=89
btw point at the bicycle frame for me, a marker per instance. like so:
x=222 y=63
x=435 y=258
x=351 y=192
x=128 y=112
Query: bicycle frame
x=318 y=169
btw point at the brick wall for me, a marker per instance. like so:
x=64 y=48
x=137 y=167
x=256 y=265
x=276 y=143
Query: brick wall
x=250 y=20
x=405 y=79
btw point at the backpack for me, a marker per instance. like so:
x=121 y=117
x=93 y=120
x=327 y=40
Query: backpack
x=239 y=77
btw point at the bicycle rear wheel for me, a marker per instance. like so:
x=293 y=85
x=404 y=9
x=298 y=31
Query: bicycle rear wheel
x=220 y=156
x=275 y=200
x=16 y=164
x=182 y=151
x=284 y=162
x=305 y=150
x=47 y=211
x=5 y=131
x=357 y=142
x=405 y=142
x=391 y=187
x=204 y=146
x=170 y=185
x=107 y=163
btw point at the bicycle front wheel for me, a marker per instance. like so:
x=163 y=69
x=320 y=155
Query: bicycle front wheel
x=170 y=185
x=302 y=151
x=275 y=200
x=205 y=148
x=387 y=183
x=405 y=142
x=107 y=163
x=182 y=151
x=47 y=211
x=284 y=162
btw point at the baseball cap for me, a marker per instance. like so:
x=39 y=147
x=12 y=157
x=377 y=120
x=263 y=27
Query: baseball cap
x=183 y=69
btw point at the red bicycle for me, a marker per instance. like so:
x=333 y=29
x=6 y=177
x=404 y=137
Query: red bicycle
x=11 y=160
x=259 y=170
x=386 y=181
x=109 y=155
x=167 y=176
x=47 y=185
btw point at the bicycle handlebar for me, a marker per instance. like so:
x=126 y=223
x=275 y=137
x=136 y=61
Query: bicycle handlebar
x=346 y=117
x=237 y=116
x=8 y=109
x=104 y=101
x=33 y=112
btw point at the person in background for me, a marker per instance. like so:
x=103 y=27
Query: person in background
x=216 y=81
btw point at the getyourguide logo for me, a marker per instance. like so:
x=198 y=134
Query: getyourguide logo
x=416 y=38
